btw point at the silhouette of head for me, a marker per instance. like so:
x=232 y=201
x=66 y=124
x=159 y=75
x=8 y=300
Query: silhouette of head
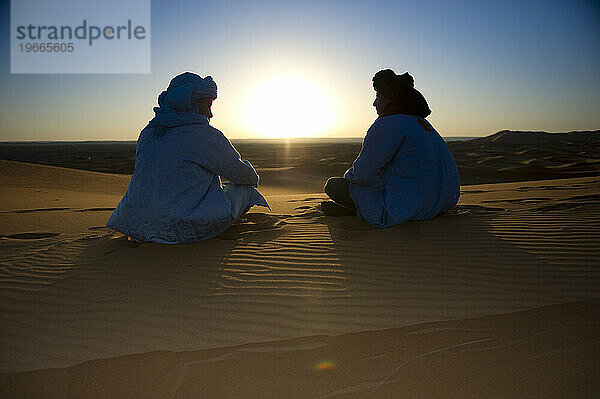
x=396 y=94
x=189 y=92
x=204 y=105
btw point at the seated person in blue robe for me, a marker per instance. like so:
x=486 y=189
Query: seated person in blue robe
x=404 y=170
x=175 y=194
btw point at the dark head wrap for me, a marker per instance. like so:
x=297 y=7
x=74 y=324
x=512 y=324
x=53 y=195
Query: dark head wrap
x=400 y=90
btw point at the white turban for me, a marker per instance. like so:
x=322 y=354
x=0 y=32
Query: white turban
x=185 y=89
x=177 y=105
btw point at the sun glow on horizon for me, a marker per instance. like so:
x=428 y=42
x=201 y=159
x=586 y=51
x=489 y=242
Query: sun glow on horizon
x=288 y=106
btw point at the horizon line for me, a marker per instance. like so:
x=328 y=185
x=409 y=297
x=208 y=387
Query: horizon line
x=325 y=138
x=232 y=139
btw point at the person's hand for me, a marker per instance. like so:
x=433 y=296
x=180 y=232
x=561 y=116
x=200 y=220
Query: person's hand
x=247 y=163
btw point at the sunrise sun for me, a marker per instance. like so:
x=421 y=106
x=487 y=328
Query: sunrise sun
x=288 y=106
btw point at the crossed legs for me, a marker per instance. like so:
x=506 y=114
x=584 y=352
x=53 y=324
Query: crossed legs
x=337 y=189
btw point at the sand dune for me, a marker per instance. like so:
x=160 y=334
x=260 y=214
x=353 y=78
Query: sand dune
x=553 y=351
x=301 y=165
x=295 y=288
x=520 y=156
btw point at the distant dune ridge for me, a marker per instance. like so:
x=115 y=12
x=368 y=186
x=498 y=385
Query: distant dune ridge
x=541 y=138
x=502 y=157
x=495 y=298
x=519 y=156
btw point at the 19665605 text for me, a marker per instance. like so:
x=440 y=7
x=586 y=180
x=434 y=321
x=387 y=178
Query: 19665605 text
x=46 y=47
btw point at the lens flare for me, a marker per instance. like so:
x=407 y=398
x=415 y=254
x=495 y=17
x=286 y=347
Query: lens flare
x=324 y=365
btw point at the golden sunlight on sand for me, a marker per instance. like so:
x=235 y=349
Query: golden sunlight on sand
x=496 y=298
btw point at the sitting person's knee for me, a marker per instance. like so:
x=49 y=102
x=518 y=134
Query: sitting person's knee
x=328 y=188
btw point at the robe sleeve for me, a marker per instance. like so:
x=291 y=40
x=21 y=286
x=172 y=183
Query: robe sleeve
x=379 y=147
x=218 y=155
x=228 y=164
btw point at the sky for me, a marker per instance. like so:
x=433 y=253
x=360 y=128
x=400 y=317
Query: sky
x=284 y=68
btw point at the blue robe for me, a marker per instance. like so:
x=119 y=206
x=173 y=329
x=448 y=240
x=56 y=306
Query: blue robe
x=404 y=172
x=175 y=194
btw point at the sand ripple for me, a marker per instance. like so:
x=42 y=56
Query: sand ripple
x=71 y=298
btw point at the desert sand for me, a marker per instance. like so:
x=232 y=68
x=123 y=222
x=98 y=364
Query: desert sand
x=495 y=298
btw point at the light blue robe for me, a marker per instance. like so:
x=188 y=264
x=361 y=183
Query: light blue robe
x=175 y=194
x=403 y=172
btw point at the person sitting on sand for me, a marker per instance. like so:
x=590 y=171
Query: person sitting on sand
x=404 y=170
x=175 y=194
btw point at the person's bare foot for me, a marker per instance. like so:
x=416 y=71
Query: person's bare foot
x=330 y=208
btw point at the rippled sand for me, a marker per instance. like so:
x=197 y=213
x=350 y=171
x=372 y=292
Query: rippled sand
x=321 y=306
